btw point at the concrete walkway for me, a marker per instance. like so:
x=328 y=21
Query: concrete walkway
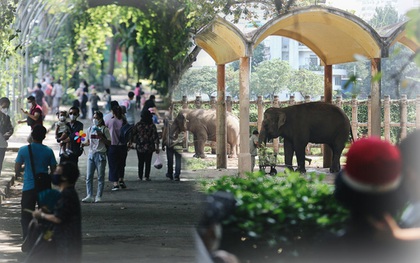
x=147 y=222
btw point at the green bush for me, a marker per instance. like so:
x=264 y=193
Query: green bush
x=281 y=207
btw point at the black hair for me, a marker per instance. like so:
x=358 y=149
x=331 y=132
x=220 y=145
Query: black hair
x=108 y=91
x=255 y=132
x=38 y=133
x=30 y=98
x=5 y=100
x=116 y=109
x=131 y=94
x=39 y=85
x=152 y=97
x=70 y=172
x=146 y=117
x=75 y=108
x=114 y=103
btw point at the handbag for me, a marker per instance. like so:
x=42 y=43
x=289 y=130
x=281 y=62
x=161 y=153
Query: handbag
x=42 y=180
x=158 y=163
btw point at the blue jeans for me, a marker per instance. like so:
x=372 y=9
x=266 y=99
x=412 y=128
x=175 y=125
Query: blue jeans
x=170 y=152
x=95 y=161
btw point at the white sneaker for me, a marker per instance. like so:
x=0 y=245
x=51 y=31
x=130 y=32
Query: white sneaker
x=88 y=199
x=98 y=199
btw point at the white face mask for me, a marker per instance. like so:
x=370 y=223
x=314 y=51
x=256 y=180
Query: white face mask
x=5 y=111
x=63 y=118
x=72 y=117
x=95 y=122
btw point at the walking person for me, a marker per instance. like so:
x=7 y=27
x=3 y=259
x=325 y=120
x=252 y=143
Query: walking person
x=117 y=152
x=93 y=99
x=253 y=148
x=98 y=139
x=74 y=126
x=57 y=93
x=172 y=143
x=138 y=92
x=130 y=105
x=33 y=115
x=43 y=159
x=66 y=216
x=146 y=139
x=6 y=128
x=107 y=98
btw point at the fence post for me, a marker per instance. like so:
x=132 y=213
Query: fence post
x=213 y=102
x=276 y=104
x=418 y=112
x=260 y=108
x=354 y=118
x=184 y=102
x=403 y=121
x=292 y=100
x=198 y=102
x=387 y=118
x=369 y=107
x=229 y=104
x=339 y=101
x=307 y=98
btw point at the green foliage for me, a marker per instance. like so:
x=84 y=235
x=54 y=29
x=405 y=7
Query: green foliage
x=282 y=205
x=197 y=82
x=198 y=164
x=7 y=33
x=307 y=82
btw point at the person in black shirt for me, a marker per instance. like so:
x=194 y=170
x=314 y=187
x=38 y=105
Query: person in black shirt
x=66 y=216
x=75 y=126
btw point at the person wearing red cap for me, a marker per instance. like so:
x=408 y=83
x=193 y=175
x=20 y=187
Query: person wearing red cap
x=369 y=186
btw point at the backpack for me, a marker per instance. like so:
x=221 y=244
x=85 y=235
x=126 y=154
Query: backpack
x=125 y=132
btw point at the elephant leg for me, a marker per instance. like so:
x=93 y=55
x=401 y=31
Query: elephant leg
x=300 y=156
x=232 y=152
x=337 y=150
x=288 y=154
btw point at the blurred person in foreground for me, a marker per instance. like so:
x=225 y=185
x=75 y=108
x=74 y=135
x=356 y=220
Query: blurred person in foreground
x=66 y=216
x=369 y=186
x=6 y=128
x=217 y=207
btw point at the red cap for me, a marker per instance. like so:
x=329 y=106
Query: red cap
x=373 y=165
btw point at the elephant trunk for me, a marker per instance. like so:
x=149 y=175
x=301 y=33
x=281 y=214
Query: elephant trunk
x=262 y=137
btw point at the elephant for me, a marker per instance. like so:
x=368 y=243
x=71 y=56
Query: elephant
x=202 y=124
x=315 y=122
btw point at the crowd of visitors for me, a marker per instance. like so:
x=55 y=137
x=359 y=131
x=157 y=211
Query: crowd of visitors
x=379 y=181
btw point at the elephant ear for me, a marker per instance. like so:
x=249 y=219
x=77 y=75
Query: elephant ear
x=185 y=121
x=282 y=119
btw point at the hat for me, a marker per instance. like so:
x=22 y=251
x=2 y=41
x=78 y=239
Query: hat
x=373 y=166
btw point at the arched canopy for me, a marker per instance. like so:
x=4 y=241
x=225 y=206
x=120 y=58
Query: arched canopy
x=334 y=35
x=219 y=34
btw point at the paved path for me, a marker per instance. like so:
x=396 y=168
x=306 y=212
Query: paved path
x=147 y=222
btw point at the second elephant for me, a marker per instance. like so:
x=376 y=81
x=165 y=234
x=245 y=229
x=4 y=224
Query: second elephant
x=202 y=124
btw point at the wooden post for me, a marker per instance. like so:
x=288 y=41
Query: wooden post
x=244 y=160
x=387 y=118
x=229 y=103
x=260 y=107
x=276 y=104
x=307 y=98
x=221 y=138
x=418 y=112
x=184 y=102
x=369 y=107
x=403 y=116
x=328 y=73
x=198 y=102
x=376 y=97
x=213 y=102
x=339 y=102
x=292 y=100
x=354 y=117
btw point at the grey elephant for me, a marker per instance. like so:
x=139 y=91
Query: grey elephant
x=202 y=124
x=315 y=122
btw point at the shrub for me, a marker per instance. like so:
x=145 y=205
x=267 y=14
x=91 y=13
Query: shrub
x=281 y=207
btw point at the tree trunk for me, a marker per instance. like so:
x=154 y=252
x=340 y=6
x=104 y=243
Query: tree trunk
x=127 y=73
x=112 y=53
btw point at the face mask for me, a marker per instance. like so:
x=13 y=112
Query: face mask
x=5 y=110
x=56 y=179
x=30 y=104
x=95 y=122
x=72 y=117
x=62 y=118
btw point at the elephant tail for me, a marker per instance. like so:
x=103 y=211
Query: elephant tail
x=351 y=136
